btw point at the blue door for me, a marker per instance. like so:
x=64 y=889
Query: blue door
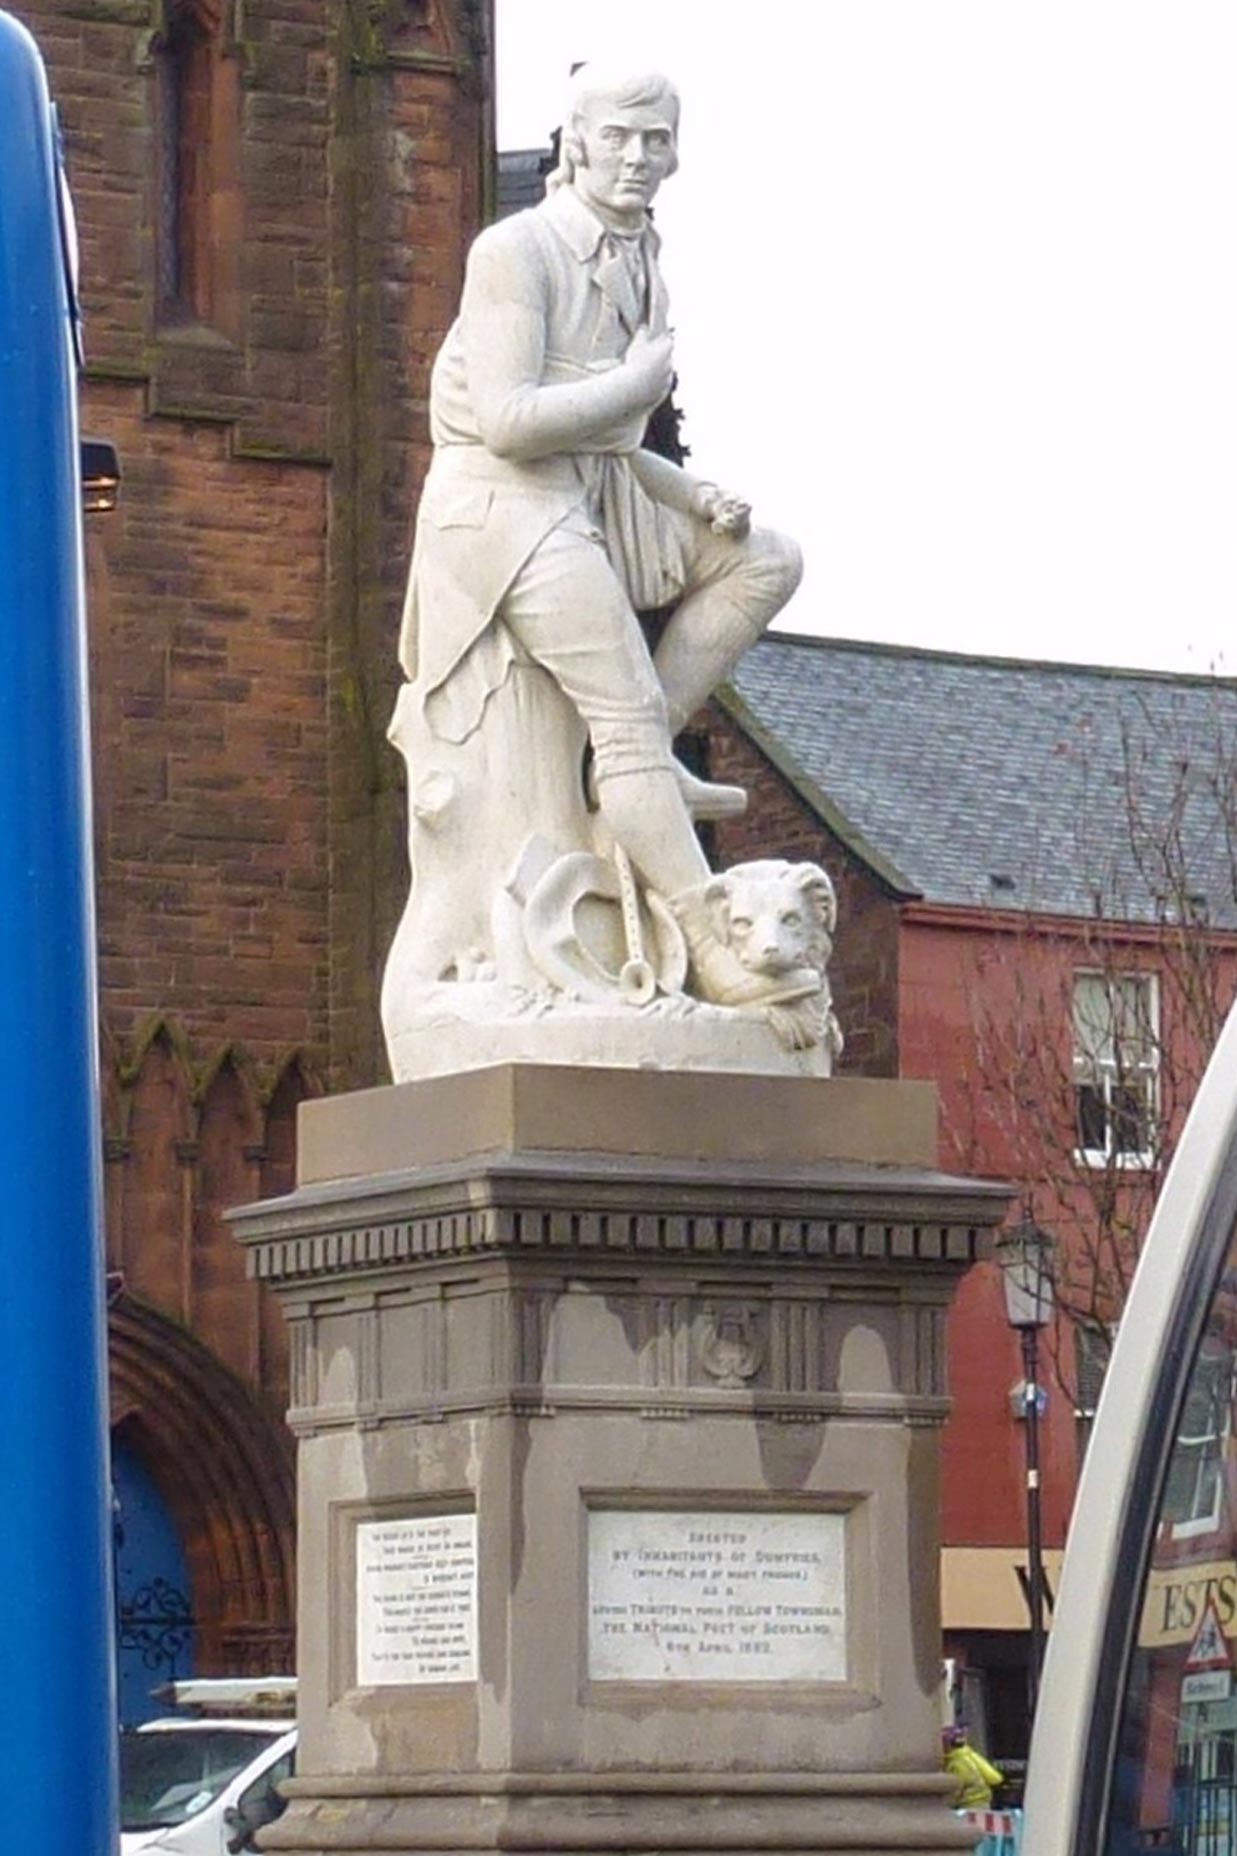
x=154 y=1618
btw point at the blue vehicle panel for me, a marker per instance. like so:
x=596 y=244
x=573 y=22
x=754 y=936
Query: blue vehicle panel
x=57 y=1743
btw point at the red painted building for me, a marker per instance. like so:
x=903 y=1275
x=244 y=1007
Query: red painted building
x=1038 y=908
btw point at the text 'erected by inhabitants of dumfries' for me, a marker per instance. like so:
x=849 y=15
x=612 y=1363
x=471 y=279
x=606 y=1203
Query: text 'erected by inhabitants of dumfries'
x=712 y=1597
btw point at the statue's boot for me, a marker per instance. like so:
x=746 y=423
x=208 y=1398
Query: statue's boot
x=704 y=799
x=708 y=798
x=720 y=976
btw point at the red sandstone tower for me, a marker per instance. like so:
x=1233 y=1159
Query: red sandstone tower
x=274 y=202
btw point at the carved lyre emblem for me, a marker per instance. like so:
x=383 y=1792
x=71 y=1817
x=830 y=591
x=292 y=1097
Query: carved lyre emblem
x=731 y=1349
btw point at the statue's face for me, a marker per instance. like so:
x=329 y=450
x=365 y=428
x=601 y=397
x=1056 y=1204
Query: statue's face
x=627 y=152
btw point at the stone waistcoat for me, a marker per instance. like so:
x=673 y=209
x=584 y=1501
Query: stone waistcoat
x=573 y=295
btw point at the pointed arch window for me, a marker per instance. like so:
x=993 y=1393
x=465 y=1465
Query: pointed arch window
x=199 y=202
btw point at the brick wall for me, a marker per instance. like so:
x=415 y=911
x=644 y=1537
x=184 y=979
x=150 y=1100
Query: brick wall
x=208 y=678
x=245 y=601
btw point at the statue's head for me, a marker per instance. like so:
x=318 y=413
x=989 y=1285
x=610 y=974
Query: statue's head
x=619 y=139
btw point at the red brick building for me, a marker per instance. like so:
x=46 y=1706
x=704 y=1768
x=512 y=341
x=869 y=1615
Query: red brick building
x=273 y=201
x=1038 y=912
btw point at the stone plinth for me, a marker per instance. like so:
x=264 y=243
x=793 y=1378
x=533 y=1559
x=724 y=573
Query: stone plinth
x=618 y=1462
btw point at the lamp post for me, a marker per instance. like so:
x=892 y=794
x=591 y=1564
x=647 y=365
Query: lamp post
x=1025 y=1255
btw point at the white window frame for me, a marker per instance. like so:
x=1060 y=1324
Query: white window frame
x=1089 y=1336
x=1207 y=1523
x=1107 y=1071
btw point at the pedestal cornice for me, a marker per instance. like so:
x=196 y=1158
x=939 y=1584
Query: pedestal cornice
x=522 y=1204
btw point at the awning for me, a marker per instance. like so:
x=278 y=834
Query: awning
x=983 y=1588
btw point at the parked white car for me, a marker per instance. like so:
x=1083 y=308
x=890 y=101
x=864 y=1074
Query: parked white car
x=203 y=1786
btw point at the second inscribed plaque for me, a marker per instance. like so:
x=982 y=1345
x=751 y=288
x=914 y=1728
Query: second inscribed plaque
x=416 y=1600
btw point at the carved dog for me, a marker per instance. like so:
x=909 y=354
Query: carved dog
x=778 y=919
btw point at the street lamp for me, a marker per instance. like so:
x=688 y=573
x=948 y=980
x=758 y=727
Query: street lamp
x=1025 y=1255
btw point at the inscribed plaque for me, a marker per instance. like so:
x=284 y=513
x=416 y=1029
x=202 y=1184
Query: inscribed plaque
x=416 y=1600
x=713 y=1597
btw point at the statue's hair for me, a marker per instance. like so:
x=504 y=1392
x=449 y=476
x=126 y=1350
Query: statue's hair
x=618 y=84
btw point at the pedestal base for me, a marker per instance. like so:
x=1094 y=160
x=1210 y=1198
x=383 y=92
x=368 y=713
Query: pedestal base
x=617 y=1400
x=584 y=1814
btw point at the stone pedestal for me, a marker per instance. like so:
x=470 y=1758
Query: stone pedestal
x=617 y=1397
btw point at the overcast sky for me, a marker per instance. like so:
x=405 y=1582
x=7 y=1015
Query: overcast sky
x=955 y=286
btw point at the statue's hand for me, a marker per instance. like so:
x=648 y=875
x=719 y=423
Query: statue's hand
x=724 y=513
x=649 y=362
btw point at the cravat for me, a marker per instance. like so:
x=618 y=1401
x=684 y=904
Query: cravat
x=622 y=275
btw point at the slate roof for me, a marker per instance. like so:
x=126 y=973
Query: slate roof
x=1055 y=788
x=521 y=178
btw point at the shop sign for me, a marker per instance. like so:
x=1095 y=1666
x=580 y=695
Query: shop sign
x=1180 y=1596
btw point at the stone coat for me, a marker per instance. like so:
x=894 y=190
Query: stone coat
x=545 y=303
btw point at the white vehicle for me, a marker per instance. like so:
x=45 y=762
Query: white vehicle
x=203 y=1786
x=1135 y=1744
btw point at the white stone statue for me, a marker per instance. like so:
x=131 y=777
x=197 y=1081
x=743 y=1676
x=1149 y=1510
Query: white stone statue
x=561 y=907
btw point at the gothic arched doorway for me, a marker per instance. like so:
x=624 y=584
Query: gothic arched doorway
x=206 y=1474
